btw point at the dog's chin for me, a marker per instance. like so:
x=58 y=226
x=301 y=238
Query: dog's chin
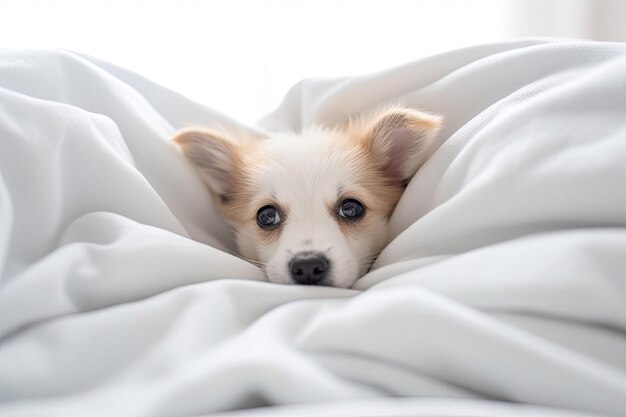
x=326 y=282
x=338 y=280
x=339 y=277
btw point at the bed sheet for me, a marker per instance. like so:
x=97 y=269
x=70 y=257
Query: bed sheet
x=503 y=290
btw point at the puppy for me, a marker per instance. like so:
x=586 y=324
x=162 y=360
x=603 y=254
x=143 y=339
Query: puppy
x=313 y=208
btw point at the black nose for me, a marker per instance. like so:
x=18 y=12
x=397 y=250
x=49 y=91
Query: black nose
x=308 y=268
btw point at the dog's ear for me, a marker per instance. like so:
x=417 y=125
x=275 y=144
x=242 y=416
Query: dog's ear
x=399 y=140
x=217 y=158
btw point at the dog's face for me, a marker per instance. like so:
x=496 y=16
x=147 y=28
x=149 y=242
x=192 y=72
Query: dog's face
x=313 y=208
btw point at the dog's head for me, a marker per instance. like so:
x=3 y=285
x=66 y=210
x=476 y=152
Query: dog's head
x=313 y=208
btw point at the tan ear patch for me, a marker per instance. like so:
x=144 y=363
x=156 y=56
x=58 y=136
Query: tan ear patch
x=397 y=138
x=218 y=159
x=224 y=163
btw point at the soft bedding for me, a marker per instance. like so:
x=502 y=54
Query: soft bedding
x=503 y=292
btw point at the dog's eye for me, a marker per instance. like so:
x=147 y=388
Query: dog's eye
x=351 y=209
x=267 y=216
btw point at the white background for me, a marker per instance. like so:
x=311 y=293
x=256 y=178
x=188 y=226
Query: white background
x=241 y=56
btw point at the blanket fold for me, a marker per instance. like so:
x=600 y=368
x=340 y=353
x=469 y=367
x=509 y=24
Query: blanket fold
x=502 y=293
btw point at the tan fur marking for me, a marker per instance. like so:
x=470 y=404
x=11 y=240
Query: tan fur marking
x=363 y=131
x=370 y=187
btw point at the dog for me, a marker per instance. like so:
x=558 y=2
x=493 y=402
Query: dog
x=312 y=208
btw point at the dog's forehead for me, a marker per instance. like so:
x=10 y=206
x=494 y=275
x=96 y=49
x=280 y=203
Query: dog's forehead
x=315 y=162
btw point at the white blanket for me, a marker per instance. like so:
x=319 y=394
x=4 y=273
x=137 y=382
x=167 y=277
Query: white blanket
x=506 y=280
